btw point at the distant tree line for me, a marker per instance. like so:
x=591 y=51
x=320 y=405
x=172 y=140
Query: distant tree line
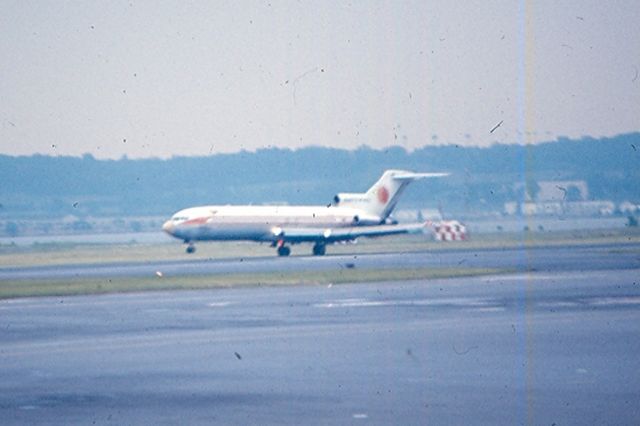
x=482 y=178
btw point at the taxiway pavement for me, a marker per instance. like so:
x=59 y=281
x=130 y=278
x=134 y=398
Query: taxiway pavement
x=560 y=258
x=558 y=345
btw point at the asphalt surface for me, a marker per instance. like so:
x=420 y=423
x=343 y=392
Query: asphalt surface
x=516 y=259
x=557 y=346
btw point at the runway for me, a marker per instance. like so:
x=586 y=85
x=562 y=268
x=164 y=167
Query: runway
x=555 y=345
x=561 y=258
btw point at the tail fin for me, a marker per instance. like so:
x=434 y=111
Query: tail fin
x=382 y=197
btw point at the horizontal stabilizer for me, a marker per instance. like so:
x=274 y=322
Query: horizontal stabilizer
x=413 y=176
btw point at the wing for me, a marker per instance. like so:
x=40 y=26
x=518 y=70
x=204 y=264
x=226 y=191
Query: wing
x=330 y=235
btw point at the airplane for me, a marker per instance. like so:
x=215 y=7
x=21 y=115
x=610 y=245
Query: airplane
x=348 y=217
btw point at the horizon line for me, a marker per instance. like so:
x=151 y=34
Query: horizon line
x=89 y=155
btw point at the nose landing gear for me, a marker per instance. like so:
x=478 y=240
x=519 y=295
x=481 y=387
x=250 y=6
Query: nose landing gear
x=191 y=248
x=284 y=251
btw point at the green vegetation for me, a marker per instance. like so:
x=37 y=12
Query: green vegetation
x=482 y=179
x=66 y=253
x=28 y=288
x=61 y=254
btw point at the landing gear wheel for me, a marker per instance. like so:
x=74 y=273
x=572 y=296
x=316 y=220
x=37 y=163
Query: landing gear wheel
x=284 y=251
x=319 y=249
x=191 y=249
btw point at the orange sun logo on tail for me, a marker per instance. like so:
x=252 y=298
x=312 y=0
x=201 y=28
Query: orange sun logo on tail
x=383 y=195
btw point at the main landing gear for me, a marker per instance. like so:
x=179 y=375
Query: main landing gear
x=319 y=249
x=191 y=248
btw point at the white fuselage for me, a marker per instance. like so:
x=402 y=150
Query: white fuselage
x=348 y=217
x=260 y=223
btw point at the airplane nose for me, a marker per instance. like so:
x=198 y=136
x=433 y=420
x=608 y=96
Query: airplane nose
x=168 y=227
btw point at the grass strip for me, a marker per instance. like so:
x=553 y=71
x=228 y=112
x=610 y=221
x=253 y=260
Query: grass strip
x=65 y=253
x=77 y=286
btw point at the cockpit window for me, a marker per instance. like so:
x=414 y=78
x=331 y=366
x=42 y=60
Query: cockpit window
x=179 y=218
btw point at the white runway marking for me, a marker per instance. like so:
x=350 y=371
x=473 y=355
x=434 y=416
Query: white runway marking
x=218 y=304
x=458 y=302
x=616 y=301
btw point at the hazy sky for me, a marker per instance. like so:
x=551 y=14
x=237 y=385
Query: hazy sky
x=163 y=78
